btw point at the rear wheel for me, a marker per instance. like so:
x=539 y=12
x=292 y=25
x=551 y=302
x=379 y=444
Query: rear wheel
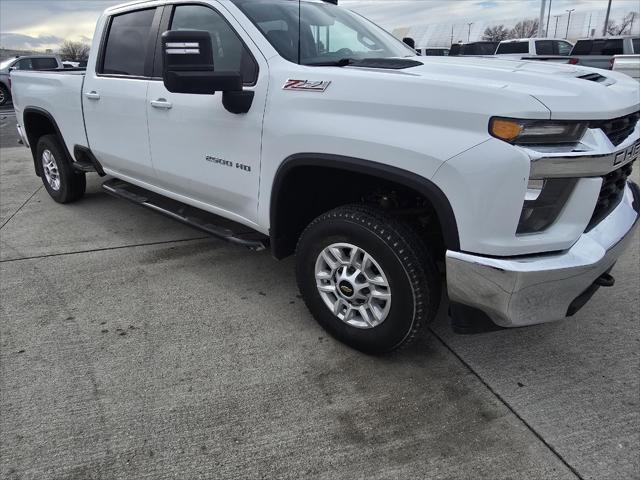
x=63 y=183
x=367 y=278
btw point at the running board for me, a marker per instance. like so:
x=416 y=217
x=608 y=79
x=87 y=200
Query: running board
x=208 y=222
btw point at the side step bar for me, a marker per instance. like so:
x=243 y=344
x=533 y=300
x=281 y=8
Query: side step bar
x=212 y=224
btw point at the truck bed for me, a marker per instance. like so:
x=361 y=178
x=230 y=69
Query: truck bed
x=58 y=92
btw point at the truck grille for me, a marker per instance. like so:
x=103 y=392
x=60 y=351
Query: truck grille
x=617 y=129
x=610 y=194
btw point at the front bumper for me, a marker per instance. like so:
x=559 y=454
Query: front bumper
x=530 y=289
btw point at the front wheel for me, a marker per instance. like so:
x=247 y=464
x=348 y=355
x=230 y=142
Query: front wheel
x=367 y=278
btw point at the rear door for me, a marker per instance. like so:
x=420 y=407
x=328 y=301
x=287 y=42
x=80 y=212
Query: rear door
x=115 y=94
x=199 y=149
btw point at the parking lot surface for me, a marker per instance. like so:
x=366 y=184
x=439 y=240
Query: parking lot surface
x=132 y=346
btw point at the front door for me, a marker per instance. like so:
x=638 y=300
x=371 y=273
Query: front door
x=199 y=149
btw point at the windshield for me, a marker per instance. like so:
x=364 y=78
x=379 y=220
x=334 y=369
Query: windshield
x=327 y=33
x=6 y=63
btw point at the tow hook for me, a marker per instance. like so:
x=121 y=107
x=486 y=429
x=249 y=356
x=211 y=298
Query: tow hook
x=605 y=280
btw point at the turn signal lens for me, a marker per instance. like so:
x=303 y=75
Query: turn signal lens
x=537 y=132
x=506 y=130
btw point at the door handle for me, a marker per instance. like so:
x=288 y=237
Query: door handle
x=92 y=95
x=161 y=103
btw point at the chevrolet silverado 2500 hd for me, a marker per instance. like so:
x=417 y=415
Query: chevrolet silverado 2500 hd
x=305 y=128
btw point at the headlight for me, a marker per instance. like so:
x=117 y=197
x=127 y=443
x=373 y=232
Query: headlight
x=536 y=132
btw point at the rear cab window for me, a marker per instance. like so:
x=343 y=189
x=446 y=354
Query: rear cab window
x=636 y=45
x=127 y=43
x=513 y=47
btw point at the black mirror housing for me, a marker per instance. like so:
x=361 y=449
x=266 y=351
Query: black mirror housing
x=188 y=68
x=188 y=65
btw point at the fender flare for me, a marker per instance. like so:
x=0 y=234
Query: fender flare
x=33 y=143
x=425 y=187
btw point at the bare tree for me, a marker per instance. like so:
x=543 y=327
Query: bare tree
x=525 y=28
x=625 y=26
x=497 y=33
x=74 y=51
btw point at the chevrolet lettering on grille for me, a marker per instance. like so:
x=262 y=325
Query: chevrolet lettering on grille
x=628 y=155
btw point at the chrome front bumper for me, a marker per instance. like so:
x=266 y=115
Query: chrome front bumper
x=526 y=290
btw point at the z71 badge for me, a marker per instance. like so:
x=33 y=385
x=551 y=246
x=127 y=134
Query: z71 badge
x=306 y=85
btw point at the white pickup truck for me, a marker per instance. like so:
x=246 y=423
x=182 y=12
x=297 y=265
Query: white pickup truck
x=307 y=129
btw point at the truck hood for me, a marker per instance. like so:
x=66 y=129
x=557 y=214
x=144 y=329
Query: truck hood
x=569 y=92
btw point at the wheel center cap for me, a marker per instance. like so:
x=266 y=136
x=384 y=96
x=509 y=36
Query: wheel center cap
x=346 y=289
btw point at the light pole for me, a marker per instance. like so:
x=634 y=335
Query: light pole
x=569 y=22
x=546 y=30
x=606 y=20
x=452 y=34
x=469 y=34
x=543 y=7
x=556 y=30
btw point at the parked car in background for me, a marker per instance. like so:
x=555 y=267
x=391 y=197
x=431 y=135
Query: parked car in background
x=525 y=47
x=629 y=64
x=596 y=52
x=32 y=62
x=473 y=48
x=433 y=51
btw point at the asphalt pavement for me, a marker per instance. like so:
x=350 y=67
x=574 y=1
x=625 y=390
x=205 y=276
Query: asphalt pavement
x=132 y=346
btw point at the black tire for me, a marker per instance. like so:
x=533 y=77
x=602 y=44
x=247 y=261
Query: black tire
x=413 y=279
x=72 y=183
x=5 y=95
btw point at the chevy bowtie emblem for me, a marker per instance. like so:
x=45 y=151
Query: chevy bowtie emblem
x=306 y=85
x=346 y=289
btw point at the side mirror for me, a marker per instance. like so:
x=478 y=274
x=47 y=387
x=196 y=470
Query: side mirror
x=188 y=68
x=410 y=41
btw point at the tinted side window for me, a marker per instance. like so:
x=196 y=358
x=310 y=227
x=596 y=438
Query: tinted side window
x=613 y=47
x=544 y=47
x=636 y=45
x=582 y=47
x=513 y=47
x=229 y=52
x=24 y=64
x=562 y=48
x=126 y=49
x=44 y=63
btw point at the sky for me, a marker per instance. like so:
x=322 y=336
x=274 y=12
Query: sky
x=41 y=24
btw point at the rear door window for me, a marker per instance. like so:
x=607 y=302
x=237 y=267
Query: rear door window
x=636 y=45
x=125 y=52
x=513 y=47
x=562 y=48
x=544 y=47
x=44 y=63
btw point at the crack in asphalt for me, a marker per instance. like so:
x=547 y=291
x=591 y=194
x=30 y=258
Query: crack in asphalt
x=509 y=407
x=21 y=206
x=104 y=249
